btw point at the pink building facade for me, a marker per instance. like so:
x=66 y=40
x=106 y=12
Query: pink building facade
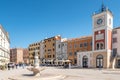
x=16 y=55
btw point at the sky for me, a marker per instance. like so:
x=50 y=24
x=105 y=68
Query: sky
x=29 y=21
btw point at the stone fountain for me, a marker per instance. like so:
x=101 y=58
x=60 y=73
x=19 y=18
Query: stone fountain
x=35 y=69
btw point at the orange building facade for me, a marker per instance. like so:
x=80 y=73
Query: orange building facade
x=78 y=45
x=50 y=49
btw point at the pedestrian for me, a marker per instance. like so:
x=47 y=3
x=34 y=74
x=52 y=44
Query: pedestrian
x=16 y=65
x=100 y=67
x=8 y=66
x=23 y=65
x=13 y=66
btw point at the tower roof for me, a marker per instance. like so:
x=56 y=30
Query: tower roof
x=103 y=9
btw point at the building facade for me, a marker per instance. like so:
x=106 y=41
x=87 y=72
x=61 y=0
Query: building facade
x=116 y=47
x=42 y=55
x=61 y=52
x=51 y=48
x=26 y=56
x=78 y=45
x=16 y=55
x=64 y=55
x=31 y=49
x=4 y=47
x=58 y=49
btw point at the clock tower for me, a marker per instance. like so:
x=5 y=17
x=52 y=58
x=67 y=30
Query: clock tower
x=102 y=37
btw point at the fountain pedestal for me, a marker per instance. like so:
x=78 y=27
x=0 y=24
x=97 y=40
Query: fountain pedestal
x=36 y=60
x=35 y=69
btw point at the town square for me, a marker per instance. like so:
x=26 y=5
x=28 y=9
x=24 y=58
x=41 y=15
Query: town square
x=59 y=40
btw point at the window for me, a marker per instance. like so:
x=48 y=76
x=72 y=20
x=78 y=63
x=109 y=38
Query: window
x=97 y=46
x=49 y=53
x=53 y=44
x=100 y=46
x=53 y=49
x=114 y=40
x=53 y=55
x=81 y=45
x=75 y=45
x=49 y=56
x=114 y=32
x=38 y=47
x=85 y=44
x=70 y=54
x=114 y=52
x=49 y=49
x=75 y=61
x=59 y=46
x=70 y=46
x=110 y=21
x=49 y=40
x=90 y=43
x=75 y=53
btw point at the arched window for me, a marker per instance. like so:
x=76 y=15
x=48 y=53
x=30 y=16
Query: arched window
x=99 y=61
x=99 y=46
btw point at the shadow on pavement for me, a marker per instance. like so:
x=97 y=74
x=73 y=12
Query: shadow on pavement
x=111 y=73
x=27 y=74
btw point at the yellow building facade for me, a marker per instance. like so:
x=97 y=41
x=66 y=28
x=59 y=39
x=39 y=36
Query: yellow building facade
x=31 y=50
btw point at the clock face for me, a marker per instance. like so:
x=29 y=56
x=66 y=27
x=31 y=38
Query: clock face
x=99 y=21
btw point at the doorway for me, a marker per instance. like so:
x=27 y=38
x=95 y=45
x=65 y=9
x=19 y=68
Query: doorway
x=118 y=63
x=99 y=61
x=85 y=62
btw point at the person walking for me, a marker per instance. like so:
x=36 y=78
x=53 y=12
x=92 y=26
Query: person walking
x=8 y=66
x=16 y=65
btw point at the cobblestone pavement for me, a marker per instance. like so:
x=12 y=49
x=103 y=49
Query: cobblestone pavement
x=52 y=73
